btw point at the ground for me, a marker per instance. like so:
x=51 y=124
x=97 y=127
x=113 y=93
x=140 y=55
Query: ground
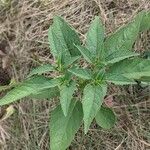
x=23 y=37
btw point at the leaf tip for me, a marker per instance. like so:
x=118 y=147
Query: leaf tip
x=86 y=128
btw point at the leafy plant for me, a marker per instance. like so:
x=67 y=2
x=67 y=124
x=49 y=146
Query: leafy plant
x=81 y=89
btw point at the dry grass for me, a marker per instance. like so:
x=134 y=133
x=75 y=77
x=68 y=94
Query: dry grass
x=23 y=31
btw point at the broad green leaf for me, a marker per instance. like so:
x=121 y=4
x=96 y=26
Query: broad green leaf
x=119 y=80
x=92 y=100
x=105 y=118
x=86 y=53
x=63 y=129
x=71 y=60
x=117 y=56
x=123 y=39
x=130 y=68
x=46 y=94
x=82 y=73
x=66 y=93
x=95 y=37
x=56 y=48
x=41 y=69
x=62 y=38
x=28 y=87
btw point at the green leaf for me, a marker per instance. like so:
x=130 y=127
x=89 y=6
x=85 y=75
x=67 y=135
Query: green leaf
x=95 y=37
x=46 y=94
x=130 y=68
x=28 y=87
x=123 y=39
x=66 y=93
x=92 y=100
x=82 y=73
x=71 y=60
x=117 y=56
x=86 y=53
x=105 y=118
x=62 y=38
x=41 y=69
x=119 y=80
x=63 y=129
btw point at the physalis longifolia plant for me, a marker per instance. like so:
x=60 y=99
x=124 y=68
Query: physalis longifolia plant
x=81 y=89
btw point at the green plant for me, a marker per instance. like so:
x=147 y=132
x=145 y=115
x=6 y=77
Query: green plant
x=81 y=89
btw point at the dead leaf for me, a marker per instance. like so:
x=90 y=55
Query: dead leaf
x=6 y=61
x=109 y=101
x=2 y=54
x=8 y=112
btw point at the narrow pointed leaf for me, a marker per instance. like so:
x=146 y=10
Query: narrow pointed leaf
x=55 y=44
x=85 y=53
x=105 y=118
x=66 y=93
x=119 y=55
x=92 y=100
x=124 y=38
x=82 y=73
x=28 y=87
x=70 y=61
x=62 y=38
x=63 y=129
x=95 y=37
x=131 y=68
x=41 y=69
x=46 y=94
x=119 y=80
